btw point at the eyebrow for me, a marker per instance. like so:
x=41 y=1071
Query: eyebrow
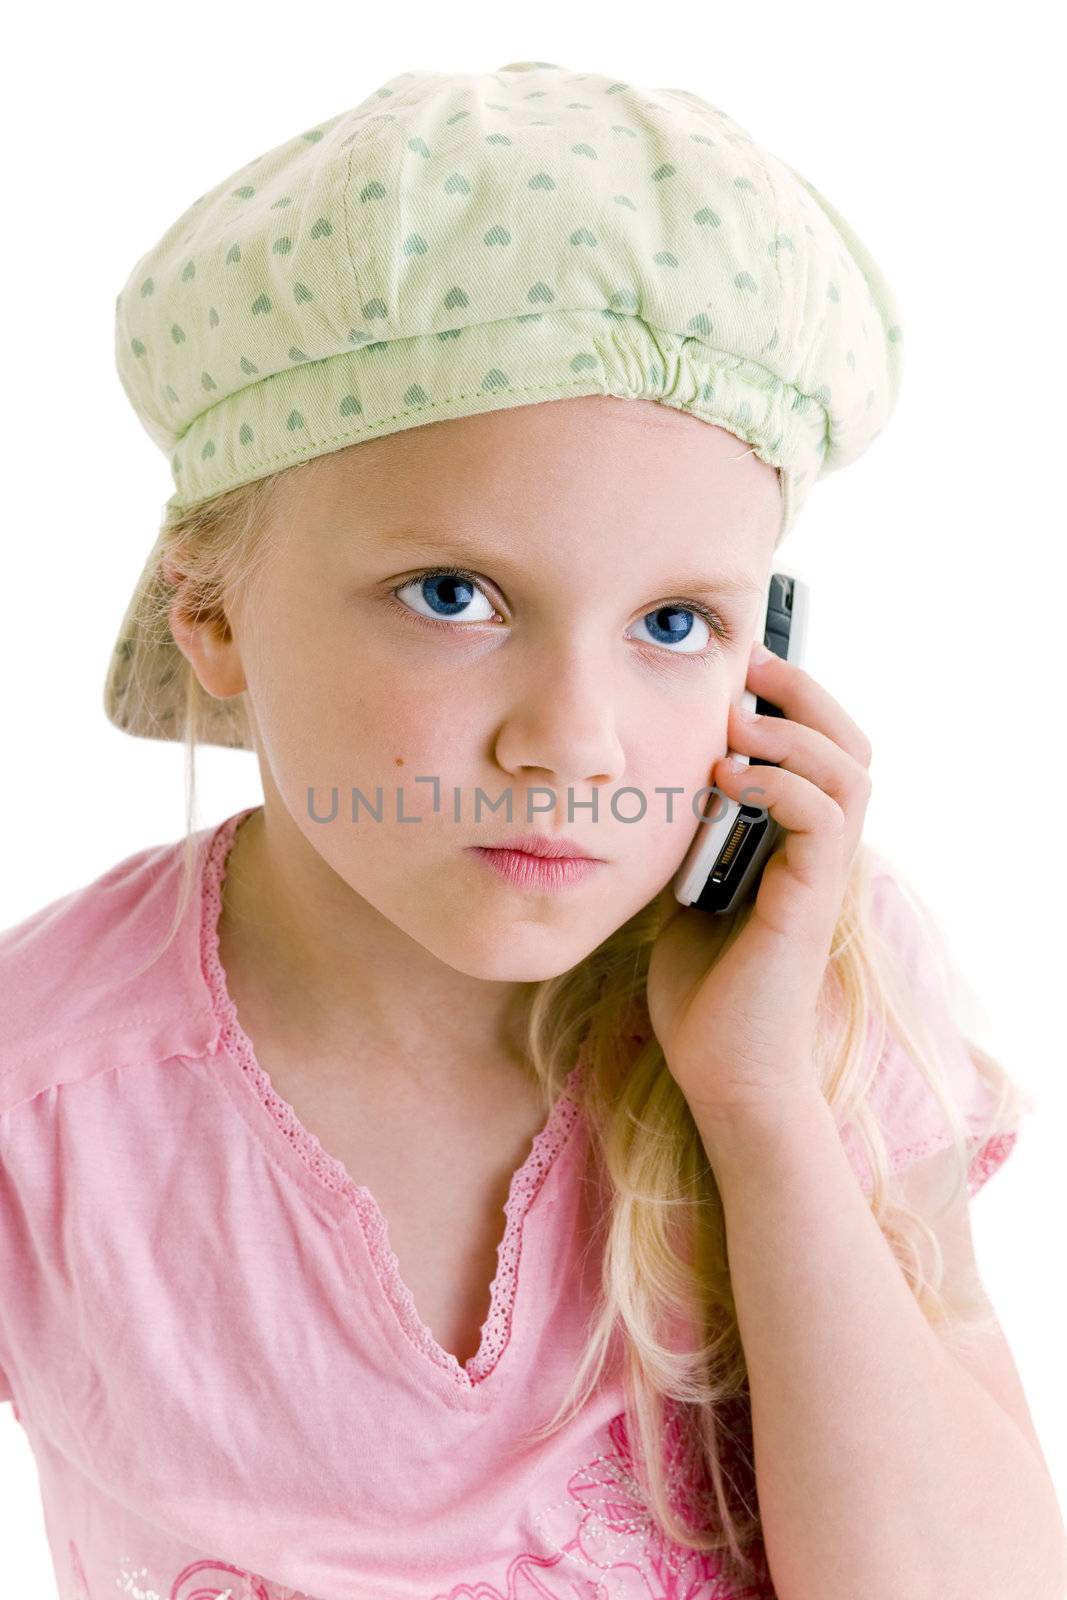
x=724 y=583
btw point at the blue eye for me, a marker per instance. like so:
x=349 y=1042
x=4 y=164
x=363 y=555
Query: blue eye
x=447 y=592
x=672 y=624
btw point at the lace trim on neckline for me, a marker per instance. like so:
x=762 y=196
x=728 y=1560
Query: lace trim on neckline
x=526 y=1181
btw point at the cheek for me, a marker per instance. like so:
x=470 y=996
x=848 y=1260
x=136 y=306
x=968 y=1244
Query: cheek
x=334 y=716
x=680 y=745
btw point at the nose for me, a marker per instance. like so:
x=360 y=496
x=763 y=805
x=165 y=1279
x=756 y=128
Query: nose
x=561 y=729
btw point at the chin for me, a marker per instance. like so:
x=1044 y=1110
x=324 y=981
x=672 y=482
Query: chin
x=510 y=955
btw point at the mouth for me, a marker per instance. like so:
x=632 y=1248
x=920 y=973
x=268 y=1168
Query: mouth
x=544 y=847
x=540 y=872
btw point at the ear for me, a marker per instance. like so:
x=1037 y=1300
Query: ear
x=209 y=645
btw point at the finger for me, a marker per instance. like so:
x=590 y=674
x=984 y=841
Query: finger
x=792 y=801
x=805 y=751
x=803 y=699
x=820 y=832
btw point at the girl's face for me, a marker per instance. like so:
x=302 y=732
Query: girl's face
x=569 y=661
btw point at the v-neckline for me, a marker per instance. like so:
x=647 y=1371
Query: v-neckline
x=526 y=1180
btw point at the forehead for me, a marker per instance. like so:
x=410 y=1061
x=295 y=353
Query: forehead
x=601 y=464
x=570 y=428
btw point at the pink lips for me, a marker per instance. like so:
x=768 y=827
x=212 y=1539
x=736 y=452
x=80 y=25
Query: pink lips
x=542 y=844
x=537 y=871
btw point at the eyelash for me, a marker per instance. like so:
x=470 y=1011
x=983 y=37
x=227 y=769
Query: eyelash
x=720 y=628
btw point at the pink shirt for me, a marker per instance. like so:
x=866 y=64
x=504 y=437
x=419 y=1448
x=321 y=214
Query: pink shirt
x=225 y=1383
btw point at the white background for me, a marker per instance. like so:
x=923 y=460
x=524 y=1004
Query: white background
x=936 y=561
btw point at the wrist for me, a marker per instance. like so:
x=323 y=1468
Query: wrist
x=748 y=1132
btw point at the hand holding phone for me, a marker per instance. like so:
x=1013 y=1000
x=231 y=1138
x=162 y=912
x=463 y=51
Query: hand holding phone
x=723 y=864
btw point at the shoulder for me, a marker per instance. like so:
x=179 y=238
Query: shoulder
x=925 y=1078
x=89 y=981
x=903 y=923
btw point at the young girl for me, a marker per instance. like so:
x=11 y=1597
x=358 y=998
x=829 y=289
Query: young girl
x=385 y=1213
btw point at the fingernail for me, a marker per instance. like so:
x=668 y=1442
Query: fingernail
x=760 y=654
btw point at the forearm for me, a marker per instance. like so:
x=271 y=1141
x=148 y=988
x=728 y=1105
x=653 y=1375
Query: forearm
x=883 y=1468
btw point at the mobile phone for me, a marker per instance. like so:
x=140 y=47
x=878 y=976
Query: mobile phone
x=722 y=867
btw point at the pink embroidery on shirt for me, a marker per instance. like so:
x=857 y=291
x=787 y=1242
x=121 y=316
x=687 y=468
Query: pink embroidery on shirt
x=988 y=1157
x=606 y=1528
x=198 y=1581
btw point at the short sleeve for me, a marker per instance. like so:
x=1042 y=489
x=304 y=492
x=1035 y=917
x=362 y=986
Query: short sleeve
x=909 y=1113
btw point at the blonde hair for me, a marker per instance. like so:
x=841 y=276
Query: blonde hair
x=665 y=1263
